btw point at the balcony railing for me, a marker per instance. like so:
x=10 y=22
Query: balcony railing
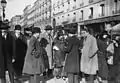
x=116 y=12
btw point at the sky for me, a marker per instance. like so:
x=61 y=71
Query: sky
x=15 y=7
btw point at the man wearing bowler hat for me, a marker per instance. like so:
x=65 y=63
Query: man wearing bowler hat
x=7 y=51
x=20 y=47
x=72 y=60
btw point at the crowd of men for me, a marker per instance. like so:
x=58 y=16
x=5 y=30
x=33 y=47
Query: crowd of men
x=86 y=57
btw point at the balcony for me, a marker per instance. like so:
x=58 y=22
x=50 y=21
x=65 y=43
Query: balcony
x=116 y=12
x=91 y=1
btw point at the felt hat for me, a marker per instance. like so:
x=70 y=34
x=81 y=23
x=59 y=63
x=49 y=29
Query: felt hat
x=17 y=27
x=36 y=30
x=4 y=26
x=48 y=27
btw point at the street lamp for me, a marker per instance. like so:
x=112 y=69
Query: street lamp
x=3 y=4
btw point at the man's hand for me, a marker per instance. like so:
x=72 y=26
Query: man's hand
x=13 y=60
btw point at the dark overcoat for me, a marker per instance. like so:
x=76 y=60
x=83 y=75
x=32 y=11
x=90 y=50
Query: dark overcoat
x=20 y=48
x=72 y=64
x=2 y=74
x=102 y=59
x=59 y=55
x=7 y=49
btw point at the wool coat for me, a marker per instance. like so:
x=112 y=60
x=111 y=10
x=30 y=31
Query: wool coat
x=7 y=51
x=20 y=48
x=2 y=64
x=33 y=65
x=72 y=63
x=102 y=59
x=89 y=62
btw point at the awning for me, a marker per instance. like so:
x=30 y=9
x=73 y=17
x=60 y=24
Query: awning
x=100 y=20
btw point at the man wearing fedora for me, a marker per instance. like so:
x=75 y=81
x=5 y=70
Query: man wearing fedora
x=6 y=41
x=20 y=47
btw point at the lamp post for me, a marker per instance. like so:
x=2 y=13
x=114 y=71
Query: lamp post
x=3 y=4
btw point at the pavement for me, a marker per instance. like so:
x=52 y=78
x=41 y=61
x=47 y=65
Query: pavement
x=55 y=80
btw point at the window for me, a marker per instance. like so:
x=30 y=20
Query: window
x=115 y=5
x=102 y=9
x=82 y=14
x=74 y=13
x=91 y=12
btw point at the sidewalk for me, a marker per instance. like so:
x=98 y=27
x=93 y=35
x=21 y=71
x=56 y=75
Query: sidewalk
x=54 y=80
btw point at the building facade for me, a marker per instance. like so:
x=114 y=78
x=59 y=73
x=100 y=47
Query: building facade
x=38 y=14
x=0 y=11
x=85 y=12
x=15 y=21
x=42 y=13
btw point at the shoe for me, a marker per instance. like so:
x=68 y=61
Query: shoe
x=64 y=77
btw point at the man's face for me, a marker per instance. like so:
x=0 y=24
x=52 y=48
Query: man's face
x=83 y=33
x=17 y=32
x=37 y=35
x=4 y=31
x=48 y=31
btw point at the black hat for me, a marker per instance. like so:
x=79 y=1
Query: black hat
x=48 y=27
x=36 y=30
x=17 y=27
x=72 y=30
x=27 y=29
x=4 y=26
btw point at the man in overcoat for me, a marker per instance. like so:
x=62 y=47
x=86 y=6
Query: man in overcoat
x=89 y=58
x=2 y=72
x=72 y=60
x=20 y=47
x=7 y=49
